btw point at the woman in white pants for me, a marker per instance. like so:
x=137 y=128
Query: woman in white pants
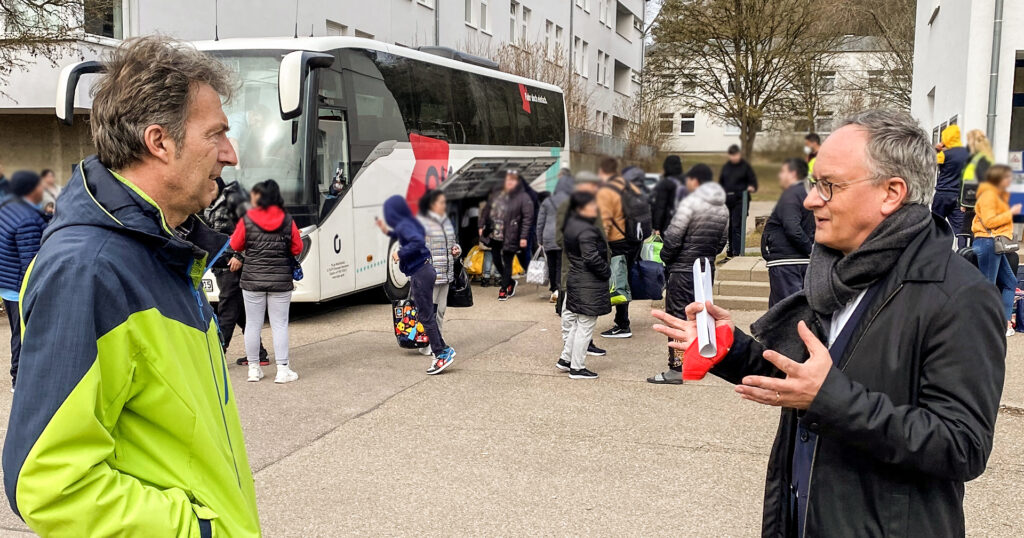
x=269 y=240
x=444 y=248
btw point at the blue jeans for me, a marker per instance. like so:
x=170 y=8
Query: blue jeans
x=997 y=269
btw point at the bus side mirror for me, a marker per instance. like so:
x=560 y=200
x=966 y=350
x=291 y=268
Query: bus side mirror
x=291 y=80
x=66 y=86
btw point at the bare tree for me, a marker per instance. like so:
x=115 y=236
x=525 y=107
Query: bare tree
x=737 y=60
x=31 y=29
x=889 y=71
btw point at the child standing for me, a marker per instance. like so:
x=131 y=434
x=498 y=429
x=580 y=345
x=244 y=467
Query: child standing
x=414 y=260
x=586 y=293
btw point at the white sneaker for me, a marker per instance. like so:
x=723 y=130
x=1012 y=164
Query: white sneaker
x=554 y=297
x=1009 y=331
x=425 y=351
x=285 y=374
x=255 y=372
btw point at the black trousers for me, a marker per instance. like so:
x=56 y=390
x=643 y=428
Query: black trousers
x=503 y=259
x=14 y=317
x=631 y=252
x=554 y=259
x=230 y=307
x=737 y=222
x=785 y=280
x=422 y=292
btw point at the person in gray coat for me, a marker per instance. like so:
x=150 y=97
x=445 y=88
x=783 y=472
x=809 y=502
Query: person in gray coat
x=699 y=229
x=547 y=219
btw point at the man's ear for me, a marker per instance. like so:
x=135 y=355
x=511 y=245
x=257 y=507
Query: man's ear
x=159 y=144
x=896 y=192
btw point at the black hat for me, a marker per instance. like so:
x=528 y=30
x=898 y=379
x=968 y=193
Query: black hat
x=673 y=166
x=700 y=172
x=734 y=149
x=23 y=182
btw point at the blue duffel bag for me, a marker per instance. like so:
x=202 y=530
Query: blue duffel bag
x=647 y=280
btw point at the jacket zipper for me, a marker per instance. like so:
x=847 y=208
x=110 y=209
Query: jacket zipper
x=817 y=440
x=213 y=374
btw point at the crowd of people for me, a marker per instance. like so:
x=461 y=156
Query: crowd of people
x=863 y=349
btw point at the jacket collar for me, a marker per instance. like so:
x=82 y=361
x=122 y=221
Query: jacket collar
x=95 y=196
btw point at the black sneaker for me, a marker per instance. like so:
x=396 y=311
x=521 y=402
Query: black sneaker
x=617 y=332
x=595 y=351
x=562 y=365
x=512 y=288
x=582 y=374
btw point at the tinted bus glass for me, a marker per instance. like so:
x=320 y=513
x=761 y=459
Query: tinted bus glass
x=466 y=108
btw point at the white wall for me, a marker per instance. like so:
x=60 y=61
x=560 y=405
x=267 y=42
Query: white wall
x=953 y=56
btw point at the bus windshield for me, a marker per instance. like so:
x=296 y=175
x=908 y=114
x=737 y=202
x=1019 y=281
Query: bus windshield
x=261 y=138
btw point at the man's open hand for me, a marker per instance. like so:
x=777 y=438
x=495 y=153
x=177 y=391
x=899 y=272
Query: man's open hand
x=802 y=381
x=684 y=331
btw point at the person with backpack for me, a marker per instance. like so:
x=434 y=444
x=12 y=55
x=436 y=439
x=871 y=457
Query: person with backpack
x=511 y=213
x=21 y=231
x=698 y=230
x=270 y=241
x=415 y=260
x=626 y=217
x=546 y=223
x=444 y=249
x=586 y=284
x=667 y=194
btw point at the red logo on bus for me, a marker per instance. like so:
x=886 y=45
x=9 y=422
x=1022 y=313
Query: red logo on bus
x=526 y=100
x=431 y=167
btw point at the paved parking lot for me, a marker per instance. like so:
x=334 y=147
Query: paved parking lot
x=502 y=444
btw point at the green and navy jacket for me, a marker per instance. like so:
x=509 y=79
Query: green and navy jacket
x=124 y=422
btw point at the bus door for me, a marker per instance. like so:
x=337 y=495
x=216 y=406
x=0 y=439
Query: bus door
x=337 y=262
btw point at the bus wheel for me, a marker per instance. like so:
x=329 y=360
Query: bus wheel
x=396 y=284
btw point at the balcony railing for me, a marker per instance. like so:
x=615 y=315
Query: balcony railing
x=595 y=143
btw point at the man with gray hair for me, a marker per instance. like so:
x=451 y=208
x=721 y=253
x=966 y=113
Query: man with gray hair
x=888 y=397
x=124 y=422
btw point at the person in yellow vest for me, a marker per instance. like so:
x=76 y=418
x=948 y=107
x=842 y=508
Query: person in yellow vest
x=977 y=166
x=812 y=143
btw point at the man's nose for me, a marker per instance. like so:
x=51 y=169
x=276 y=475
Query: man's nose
x=227 y=153
x=813 y=199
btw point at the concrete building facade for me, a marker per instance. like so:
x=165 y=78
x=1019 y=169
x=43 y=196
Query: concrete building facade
x=602 y=40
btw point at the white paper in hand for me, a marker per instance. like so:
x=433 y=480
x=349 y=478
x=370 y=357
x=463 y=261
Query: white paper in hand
x=702 y=287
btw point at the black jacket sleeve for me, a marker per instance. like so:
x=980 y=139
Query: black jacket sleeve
x=948 y=432
x=590 y=251
x=751 y=177
x=745 y=358
x=664 y=197
x=791 y=213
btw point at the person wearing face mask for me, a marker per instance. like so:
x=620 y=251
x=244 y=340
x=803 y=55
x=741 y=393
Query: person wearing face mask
x=21 y=229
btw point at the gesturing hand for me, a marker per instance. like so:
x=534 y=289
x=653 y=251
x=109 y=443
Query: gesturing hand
x=684 y=332
x=802 y=382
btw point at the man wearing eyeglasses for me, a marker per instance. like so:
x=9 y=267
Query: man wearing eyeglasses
x=888 y=397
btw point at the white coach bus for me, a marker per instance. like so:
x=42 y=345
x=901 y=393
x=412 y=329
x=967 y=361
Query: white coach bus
x=343 y=123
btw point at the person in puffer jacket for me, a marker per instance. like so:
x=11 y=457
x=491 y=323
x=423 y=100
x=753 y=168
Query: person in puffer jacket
x=699 y=229
x=547 y=220
x=21 y=230
x=444 y=247
x=414 y=259
x=268 y=237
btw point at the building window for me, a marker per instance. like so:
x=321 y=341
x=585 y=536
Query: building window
x=638 y=24
x=732 y=86
x=687 y=123
x=954 y=120
x=802 y=125
x=579 y=3
x=335 y=29
x=549 y=39
x=366 y=35
x=827 y=81
x=875 y=78
x=586 y=64
x=525 y=24
x=665 y=122
x=513 y=22
x=823 y=123
x=485 y=22
x=577 y=62
x=104 y=18
x=426 y=3
x=935 y=136
x=607 y=71
x=598 y=124
x=559 y=35
x=602 y=11
x=469 y=12
x=600 y=67
x=732 y=129
x=586 y=6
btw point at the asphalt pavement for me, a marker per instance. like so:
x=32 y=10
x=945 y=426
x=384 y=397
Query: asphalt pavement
x=365 y=443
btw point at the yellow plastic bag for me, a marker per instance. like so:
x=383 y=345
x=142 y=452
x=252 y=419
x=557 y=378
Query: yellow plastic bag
x=474 y=261
x=517 y=268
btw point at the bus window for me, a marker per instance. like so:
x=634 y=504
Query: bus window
x=469 y=108
x=332 y=153
x=378 y=117
x=434 y=101
x=397 y=75
x=500 y=112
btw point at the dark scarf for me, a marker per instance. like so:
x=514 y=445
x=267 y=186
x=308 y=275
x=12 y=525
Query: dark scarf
x=833 y=280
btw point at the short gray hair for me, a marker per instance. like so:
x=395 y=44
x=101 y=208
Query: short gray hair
x=899 y=147
x=149 y=81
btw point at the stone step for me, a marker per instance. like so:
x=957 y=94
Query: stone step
x=739 y=288
x=759 y=304
x=743 y=269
